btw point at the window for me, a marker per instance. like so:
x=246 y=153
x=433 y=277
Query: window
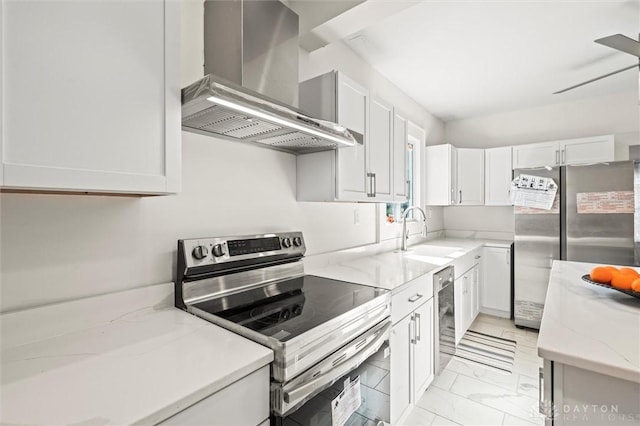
x=396 y=210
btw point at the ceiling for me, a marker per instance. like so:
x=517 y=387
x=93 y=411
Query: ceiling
x=461 y=59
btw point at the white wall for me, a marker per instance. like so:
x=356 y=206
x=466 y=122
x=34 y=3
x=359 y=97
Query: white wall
x=612 y=114
x=59 y=247
x=615 y=114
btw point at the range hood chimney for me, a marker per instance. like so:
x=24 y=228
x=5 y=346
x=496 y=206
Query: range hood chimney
x=251 y=67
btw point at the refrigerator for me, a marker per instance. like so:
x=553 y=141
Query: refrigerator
x=591 y=220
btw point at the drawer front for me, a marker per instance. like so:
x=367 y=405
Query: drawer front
x=414 y=294
x=466 y=262
x=223 y=407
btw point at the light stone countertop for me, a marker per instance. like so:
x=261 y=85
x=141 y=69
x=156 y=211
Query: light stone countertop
x=588 y=326
x=391 y=270
x=129 y=357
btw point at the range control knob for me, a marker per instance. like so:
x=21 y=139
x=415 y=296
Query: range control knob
x=200 y=252
x=286 y=242
x=297 y=241
x=217 y=250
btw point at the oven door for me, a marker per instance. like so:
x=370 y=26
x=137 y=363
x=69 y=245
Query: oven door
x=306 y=400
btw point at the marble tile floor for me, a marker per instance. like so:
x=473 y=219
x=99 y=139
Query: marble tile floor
x=470 y=394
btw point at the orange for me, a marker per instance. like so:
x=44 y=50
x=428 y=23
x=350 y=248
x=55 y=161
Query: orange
x=635 y=285
x=601 y=275
x=630 y=271
x=622 y=281
x=611 y=268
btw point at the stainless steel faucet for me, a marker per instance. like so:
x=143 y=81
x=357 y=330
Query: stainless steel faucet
x=405 y=236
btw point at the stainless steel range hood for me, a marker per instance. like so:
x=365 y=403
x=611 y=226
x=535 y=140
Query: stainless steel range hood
x=251 y=57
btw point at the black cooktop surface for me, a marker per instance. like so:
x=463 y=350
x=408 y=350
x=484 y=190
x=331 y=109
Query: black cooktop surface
x=288 y=308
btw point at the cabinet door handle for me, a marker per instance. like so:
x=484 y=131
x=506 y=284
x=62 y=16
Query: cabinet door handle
x=453 y=196
x=375 y=185
x=460 y=202
x=478 y=257
x=508 y=257
x=557 y=156
x=418 y=329
x=415 y=297
x=564 y=157
x=541 y=404
x=408 y=183
x=370 y=182
x=412 y=329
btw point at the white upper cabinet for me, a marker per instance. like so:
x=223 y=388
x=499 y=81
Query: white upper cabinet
x=587 y=150
x=339 y=175
x=557 y=153
x=454 y=176
x=470 y=177
x=536 y=155
x=381 y=149
x=400 y=141
x=91 y=96
x=365 y=172
x=353 y=113
x=497 y=176
x=440 y=175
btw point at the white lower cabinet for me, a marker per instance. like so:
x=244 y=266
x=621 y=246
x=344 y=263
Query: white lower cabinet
x=245 y=402
x=400 y=389
x=575 y=396
x=423 y=366
x=496 y=282
x=412 y=368
x=466 y=289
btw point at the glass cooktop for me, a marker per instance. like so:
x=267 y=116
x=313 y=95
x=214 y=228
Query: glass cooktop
x=286 y=309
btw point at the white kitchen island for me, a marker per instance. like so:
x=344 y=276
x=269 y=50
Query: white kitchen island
x=590 y=341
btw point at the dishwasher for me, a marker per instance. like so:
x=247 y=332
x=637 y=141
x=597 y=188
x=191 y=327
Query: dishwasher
x=445 y=322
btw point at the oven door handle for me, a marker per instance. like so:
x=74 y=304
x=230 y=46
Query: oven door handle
x=340 y=363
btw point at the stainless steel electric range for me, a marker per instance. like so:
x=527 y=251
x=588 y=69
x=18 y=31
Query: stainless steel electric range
x=327 y=336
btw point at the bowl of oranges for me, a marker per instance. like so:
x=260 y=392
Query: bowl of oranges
x=625 y=279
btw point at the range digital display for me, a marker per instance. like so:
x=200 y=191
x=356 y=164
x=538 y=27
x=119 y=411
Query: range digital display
x=255 y=245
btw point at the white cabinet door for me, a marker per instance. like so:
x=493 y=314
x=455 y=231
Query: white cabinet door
x=440 y=175
x=400 y=343
x=497 y=176
x=353 y=107
x=587 y=150
x=381 y=149
x=536 y=155
x=91 y=96
x=496 y=282
x=470 y=177
x=423 y=348
x=400 y=140
x=467 y=305
x=474 y=294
